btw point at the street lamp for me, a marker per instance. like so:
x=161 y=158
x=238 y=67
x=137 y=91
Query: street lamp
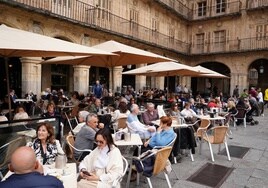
x=261 y=69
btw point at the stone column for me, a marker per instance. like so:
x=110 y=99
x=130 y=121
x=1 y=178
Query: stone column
x=140 y=81
x=81 y=78
x=31 y=75
x=117 y=78
x=160 y=82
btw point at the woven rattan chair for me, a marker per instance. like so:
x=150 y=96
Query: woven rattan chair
x=217 y=135
x=70 y=142
x=121 y=124
x=161 y=160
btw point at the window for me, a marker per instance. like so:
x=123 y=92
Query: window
x=261 y=32
x=220 y=6
x=200 y=42
x=202 y=8
x=59 y=76
x=134 y=20
x=171 y=35
x=155 y=27
x=104 y=7
x=219 y=39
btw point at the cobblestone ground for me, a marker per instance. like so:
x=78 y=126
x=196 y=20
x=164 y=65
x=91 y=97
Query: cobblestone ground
x=250 y=171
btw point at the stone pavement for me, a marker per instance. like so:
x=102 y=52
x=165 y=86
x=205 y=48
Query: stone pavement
x=250 y=171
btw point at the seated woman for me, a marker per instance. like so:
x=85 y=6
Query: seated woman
x=174 y=110
x=122 y=111
x=103 y=165
x=20 y=113
x=82 y=116
x=45 y=146
x=164 y=135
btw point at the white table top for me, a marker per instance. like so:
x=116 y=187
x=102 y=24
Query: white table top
x=135 y=141
x=174 y=124
x=210 y=118
x=68 y=178
x=65 y=106
x=23 y=100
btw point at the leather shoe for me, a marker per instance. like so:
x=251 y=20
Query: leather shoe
x=133 y=176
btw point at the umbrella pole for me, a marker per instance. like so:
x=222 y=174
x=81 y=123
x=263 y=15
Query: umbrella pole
x=8 y=87
x=112 y=86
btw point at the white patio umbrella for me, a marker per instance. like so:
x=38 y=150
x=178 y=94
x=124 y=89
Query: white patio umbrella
x=210 y=73
x=165 y=69
x=19 y=43
x=126 y=55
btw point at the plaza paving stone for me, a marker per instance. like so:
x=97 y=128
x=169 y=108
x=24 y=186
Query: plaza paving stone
x=251 y=171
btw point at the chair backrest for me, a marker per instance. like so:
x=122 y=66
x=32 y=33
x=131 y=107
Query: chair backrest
x=122 y=123
x=119 y=179
x=74 y=112
x=219 y=134
x=241 y=114
x=161 y=158
x=204 y=124
x=70 y=142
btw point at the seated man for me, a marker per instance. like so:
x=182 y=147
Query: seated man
x=150 y=114
x=86 y=136
x=188 y=114
x=136 y=126
x=28 y=171
x=95 y=107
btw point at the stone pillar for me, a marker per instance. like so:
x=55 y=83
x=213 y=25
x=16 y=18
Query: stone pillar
x=239 y=79
x=116 y=73
x=81 y=78
x=160 y=82
x=31 y=75
x=140 y=81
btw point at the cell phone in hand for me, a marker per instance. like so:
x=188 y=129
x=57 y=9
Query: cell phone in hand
x=86 y=173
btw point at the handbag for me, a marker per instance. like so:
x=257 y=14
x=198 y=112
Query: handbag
x=145 y=165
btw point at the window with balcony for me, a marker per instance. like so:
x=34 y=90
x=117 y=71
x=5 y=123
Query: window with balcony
x=220 y=6
x=261 y=32
x=202 y=8
x=134 y=20
x=171 y=35
x=155 y=27
x=200 y=42
x=104 y=8
x=219 y=40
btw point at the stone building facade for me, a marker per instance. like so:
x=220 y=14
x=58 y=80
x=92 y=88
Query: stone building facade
x=228 y=36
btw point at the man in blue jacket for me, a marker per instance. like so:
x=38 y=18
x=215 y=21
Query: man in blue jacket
x=28 y=172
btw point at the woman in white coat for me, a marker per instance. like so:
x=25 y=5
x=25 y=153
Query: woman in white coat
x=103 y=165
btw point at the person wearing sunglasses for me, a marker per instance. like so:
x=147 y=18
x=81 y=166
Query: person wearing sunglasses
x=103 y=165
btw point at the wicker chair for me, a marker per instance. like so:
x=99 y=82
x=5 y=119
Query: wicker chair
x=70 y=142
x=217 y=135
x=161 y=160
x=121 y=124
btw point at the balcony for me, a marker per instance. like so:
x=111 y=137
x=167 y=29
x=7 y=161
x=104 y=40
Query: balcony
x=177 y=7
x=230 y=46
x=103 y=20
x=256 y=4
x=211 y=12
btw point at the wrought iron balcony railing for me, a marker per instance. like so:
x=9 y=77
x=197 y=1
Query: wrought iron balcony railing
x=256 y=4
x=100 y=19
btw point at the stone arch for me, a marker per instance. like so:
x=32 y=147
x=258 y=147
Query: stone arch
x=257 y=73
x=206 y=86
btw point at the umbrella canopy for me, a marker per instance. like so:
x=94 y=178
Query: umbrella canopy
x=210 y=73
x=165 y=69
x=126 y=55
x=19 y=43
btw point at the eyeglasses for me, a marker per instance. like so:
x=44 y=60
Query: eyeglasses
x=99 y=142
